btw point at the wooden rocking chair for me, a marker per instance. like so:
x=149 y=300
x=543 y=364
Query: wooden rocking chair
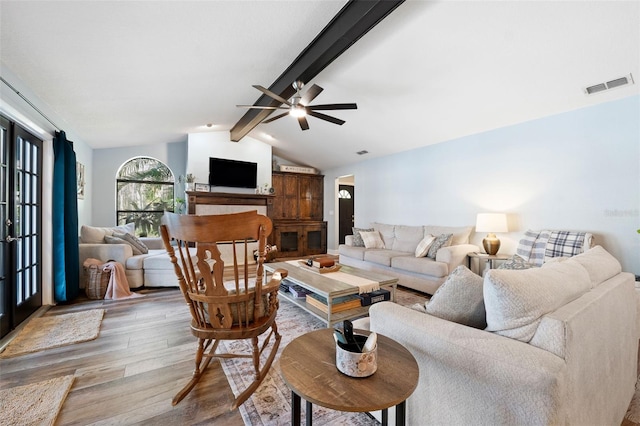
x=242 y=308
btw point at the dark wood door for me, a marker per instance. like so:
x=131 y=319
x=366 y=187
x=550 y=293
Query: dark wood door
x=21 y=224
x=285 y=203
x=346 y=195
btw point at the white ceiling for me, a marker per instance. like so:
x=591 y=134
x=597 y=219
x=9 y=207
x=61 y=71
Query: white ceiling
x=133 y=73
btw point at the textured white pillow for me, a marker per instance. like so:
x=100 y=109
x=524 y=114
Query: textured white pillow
x=372 y=239
x=95 y=234
x=516 y=300
x=423 y=246
x=460 y=299
x=442 y=240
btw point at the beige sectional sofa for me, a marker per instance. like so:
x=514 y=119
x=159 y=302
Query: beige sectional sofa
x=152 y=269
x=398 y=258
x=563 y=347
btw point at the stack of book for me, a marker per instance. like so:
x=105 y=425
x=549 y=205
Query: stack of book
x=298 y=292
x=338 y=304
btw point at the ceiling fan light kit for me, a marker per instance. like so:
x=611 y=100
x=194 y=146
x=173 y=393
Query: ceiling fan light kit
x=299 y=106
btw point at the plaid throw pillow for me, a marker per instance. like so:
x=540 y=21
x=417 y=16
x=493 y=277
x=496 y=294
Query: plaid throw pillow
x=564 y=244
x=525 y=245
x=539 y=248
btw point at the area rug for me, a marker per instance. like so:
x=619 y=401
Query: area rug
x=53 y=331
x=34 y=404
x=270 y=404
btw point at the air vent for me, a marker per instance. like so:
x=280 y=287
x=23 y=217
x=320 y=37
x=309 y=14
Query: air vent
x=618 y=82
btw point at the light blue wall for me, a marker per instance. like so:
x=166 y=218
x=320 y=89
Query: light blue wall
x=107 y=162
x=578 y=170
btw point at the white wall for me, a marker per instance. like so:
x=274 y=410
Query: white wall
x=576 y=171
x=203 y=145
x=107 y=162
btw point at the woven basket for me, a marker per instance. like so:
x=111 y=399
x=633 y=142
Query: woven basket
x=97 y=281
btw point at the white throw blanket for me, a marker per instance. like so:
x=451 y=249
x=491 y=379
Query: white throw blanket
x=364 y=285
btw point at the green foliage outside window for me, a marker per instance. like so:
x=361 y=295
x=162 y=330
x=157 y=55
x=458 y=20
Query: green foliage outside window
x=145 y=190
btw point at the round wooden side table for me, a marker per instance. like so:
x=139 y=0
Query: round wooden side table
x=308 y=367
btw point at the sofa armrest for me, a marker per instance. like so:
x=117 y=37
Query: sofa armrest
x=455 y=256
x=348 y=240
x=118 y=252
x=468 y=374
x=153 y=243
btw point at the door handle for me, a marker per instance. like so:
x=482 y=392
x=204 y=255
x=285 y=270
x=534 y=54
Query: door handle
x=10 y=239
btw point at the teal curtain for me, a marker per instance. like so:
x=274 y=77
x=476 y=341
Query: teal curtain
x=66 y=263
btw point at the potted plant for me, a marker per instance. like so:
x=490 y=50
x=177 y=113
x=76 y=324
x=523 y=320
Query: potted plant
x=188 y=180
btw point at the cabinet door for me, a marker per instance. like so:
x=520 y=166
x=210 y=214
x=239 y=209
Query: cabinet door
x=285 y=204
x=311 y=197
x=315 y=238
x=287 y=239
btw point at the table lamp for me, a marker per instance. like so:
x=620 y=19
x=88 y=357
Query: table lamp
x=491 y=223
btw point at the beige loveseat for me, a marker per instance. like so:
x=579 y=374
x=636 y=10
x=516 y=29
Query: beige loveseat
x=398 y=257
x=562 y=348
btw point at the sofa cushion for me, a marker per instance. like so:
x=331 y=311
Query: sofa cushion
x=159 y=260
x=460 y=233
x=407 y=238
x=137 y=262
x=460 y=299
x=442 y=240
x=420 y=265
x=95 y=235
x=516 y=300
x=387 y=232
x=112 y=239
x=423 y=246
x=599 y=263
x=382 y=256
x=357 y=239
x=372 y=240
x=352 y=251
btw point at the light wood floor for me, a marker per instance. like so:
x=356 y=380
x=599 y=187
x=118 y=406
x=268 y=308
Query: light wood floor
x=129 y=375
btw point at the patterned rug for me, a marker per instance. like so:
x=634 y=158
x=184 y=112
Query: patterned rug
x=271 y=403
x=52 y=331
x=34 y=404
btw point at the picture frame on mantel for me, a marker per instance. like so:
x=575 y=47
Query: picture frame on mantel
x=202 y=187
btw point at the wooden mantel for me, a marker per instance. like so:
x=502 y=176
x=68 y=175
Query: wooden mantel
x=198 y=198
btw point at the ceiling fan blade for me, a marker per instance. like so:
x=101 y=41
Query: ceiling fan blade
x=304 y=125
x=311 y=94
x=271 y=94
x=326 y=117
x=261 y=107
x=269 y=120
x=332 y=106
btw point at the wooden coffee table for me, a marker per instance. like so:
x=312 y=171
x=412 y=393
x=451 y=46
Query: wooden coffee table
x=330 y=289
x=309 y=369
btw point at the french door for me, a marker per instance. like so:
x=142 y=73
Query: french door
x=20 y=225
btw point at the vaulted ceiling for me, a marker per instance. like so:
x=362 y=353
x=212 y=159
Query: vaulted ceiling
x=124 y=73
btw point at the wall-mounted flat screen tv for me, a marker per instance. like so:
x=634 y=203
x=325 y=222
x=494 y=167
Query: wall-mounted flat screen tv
x=232 y=173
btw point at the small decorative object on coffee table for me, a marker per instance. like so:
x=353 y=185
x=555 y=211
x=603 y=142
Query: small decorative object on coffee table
x=313 y=355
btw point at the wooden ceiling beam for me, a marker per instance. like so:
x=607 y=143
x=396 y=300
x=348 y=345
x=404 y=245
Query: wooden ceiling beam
x=353 y=21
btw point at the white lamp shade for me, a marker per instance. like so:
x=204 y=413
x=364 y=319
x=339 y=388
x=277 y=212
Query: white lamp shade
x=491 y=222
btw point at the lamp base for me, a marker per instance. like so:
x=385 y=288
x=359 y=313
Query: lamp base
x=491 y=244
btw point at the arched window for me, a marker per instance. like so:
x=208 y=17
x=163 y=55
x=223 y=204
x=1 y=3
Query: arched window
x=144 y=192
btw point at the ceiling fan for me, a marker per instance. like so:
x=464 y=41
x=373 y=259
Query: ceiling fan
x=299 y=105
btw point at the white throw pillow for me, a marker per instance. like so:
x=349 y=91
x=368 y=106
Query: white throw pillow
x=516 y=300
x=372 y=239
x=423 y=246
x=95 y=234
x=460 y=299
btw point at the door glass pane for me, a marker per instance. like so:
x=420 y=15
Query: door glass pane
x=288 y=241
x=314 y=240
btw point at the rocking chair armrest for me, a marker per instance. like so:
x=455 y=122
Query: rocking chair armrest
x=275 y=281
